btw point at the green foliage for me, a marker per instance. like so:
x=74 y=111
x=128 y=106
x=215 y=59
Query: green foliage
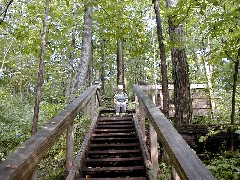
x=15 y=123
x=165 y=171
x=52 y=165
x=225 y=166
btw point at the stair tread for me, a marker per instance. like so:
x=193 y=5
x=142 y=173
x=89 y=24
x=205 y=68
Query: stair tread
x=114 y=118
x=114 y=126
x=113 y=138
x=114 y=130
x=114 y=134
x=115 y=122
x=114 y=151
x=130 y=168
x=128 y=178
x=115 y=145
x=114 y=159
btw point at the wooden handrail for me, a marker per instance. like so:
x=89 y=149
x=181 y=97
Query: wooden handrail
x=182 y=158
x=23 y=161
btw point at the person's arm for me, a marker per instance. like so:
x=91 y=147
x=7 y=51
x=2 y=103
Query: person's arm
x=115 y=99
x=126 y=98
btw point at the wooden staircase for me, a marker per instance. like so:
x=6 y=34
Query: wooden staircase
x=114 y=151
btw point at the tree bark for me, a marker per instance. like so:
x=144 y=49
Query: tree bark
x=163 y=59
x=103 y=67
x=120 y=66
x=235 y=78
x=208 y=70
x=182 y=96
x=38 y=91
x=86 y=48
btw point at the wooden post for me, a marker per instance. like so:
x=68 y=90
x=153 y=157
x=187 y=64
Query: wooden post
x=142 y=115
x=93 y=102
x=69 y=147
x=34 y=175
x=153 y=143
x=153 y=149
x=137 y=107
x=175 y=176
x=87 y=108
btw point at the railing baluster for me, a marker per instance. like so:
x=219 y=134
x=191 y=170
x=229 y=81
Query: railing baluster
x=142 y=115
x=69 y=147
x=154 y=149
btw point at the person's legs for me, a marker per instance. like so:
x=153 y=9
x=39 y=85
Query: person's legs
x=124 y=107
x=117 y=108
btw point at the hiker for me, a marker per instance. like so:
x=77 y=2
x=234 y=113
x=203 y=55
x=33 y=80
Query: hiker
x=120 y=101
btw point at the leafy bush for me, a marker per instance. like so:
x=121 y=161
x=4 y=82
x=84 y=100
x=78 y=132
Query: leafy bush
x=226 y=166
x=15 y=123
x=53 y=164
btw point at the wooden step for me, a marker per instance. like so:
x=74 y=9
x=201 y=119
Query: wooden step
x=113 y=134
x=109 y=169
x=114 y=159
x=114 y=122
x=113 y=140
x=128 y=178
x=114 y=152
x=113 y=130
x=112 y=146
x=114 y=118
x=115 y=145
x=114 y=126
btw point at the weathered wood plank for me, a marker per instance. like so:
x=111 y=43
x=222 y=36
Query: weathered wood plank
x=25 y=158
x=182 y=157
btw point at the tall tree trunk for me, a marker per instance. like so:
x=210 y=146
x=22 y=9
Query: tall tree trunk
x=182 y=96
x=103 y=68
x=208 y=70
x=86 y=48
x=71 y=57
x=38 y=91
x=163 y=59
x=235 y=78
x=90 y=69
x=120 y=70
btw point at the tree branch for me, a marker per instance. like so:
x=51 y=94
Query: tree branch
x=4 y=13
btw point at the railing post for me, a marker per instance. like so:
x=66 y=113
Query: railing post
x=140 y=113
x=93 y=102
x=34 y=175
x=69 y=147
x=137 y=106
x=153 y=144
x=174 y=174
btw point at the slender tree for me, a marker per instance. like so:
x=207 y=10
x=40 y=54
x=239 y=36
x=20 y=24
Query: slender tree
x=86 y=48
x=40 y=70
x=163 y=58
x=235 y=78
x=182 y=96
x=120 y=65
x=4 y=13
x=103 y=67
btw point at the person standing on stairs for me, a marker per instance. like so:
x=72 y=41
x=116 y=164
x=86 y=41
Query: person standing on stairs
x=120 y=101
